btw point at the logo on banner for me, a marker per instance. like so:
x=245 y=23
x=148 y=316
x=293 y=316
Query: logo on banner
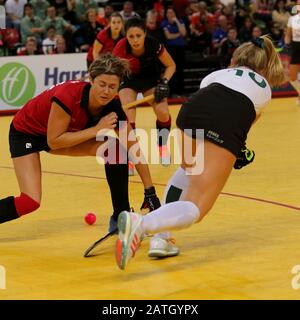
x=17 y=84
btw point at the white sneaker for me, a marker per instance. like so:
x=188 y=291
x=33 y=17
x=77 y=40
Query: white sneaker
x=130 y=237
x=161 y=248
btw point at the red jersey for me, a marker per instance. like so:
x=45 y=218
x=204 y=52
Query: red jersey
x=159 y=8
x=147 y=65
x=108 y=43
x=73 y=98
x=202 y=23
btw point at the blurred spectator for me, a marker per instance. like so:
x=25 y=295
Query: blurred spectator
x=203 y=16
x=153 y=28
x=256 y=32
x=240 y=16
x=220 y=33
x=40 y=8
x=228 y=47
x=128 y=12
x=245 y=33
x=108 y=10
x=60 y=45
x=243 y=3
x=86 y=34
x=71 y=15
x=201 y=26
x=61 y=7
x=48 y=44
x=228 y=12
x=216 y=8
x=262 y=7
x=31 y=25
x=280 y=15
x=60 y=24
x=159 y=8
x=31 y=48
x=262 y=12
x=276 y=35
x=180 y=7
x=15 y=11
x=82 y=6
x=191 y=9
x=175 y=33
x=11 y=40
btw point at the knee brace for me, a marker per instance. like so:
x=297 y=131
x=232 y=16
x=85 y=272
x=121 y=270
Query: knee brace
x=24 y=204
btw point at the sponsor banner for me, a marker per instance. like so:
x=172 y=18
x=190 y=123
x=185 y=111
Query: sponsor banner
x=22 y=78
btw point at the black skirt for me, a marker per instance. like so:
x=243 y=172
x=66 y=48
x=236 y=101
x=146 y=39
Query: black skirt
x=224 y=114
x=139 y=84
x=295 y=53
x=22 y=144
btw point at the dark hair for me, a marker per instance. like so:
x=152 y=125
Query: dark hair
x=276 y=7
x=51 y=27
x=171 y=8
x=135 y=22
x=28 y=5
x=108 y=4
x=109 y=64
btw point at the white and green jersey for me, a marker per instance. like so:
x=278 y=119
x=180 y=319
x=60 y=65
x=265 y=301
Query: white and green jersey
x=243 y=80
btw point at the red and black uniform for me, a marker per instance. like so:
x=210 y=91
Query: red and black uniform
x=28 y=134
x=146 y=70
x=28 y=131
x=108 y=43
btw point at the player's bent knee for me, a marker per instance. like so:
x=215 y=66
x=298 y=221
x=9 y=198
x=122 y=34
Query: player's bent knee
x=25 y=204
x=163 y=114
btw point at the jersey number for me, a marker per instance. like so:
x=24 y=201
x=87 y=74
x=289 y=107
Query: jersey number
x=261 y=83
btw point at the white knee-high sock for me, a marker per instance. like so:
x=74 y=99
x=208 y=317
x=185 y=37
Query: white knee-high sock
x=176 y=190
x=171 y=216
x=177 y=186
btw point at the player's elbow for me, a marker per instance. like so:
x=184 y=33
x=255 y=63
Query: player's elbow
x=171 y=66
x=53 y=143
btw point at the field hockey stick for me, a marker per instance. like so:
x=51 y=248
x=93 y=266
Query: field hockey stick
x=88 y=252
x=137 y=102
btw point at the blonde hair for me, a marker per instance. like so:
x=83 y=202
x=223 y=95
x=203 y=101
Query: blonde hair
x=109 y=64
x=260 y=56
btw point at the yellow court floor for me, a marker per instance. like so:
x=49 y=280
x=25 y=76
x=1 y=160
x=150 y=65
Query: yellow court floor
x=246 y=248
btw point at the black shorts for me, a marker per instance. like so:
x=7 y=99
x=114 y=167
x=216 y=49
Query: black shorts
x=295 y=53
x=21 y=144
x=225 y=115
x=139 y=84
